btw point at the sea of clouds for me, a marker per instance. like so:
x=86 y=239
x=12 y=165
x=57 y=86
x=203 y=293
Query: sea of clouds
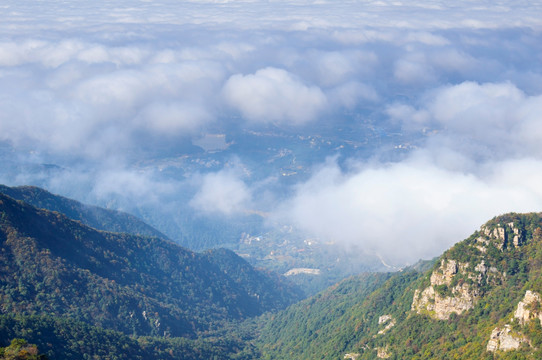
x=94 y=86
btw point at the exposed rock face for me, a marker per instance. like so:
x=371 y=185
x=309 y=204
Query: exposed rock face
x=498 y=235
x=454 y=286
x=353 y=356
x=298 y=271
x=442 y=307
x=503 y=339
x=529 y=308
x=481 y=267
x=383 y=320
x=518 y=236
x=383 y=353
x=461 y=297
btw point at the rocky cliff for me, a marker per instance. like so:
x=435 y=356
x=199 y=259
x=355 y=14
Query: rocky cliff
x=442 y=297
x=529 y=308
x=455 y=285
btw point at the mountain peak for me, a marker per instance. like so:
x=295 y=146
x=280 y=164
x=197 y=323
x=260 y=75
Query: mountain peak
x=93 y=216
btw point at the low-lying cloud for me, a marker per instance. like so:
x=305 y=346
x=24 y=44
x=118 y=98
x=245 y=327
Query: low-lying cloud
x=223 y=193
x=410 y=210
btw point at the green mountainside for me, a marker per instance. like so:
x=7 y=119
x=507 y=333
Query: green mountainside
x=51 y=265
x=79 y=293
x=270 y=291
x=93 y=216
x=66 y=338
x=280 y=250
x=482 y=299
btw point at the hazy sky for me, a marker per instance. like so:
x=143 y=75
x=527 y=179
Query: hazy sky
x=83 y=84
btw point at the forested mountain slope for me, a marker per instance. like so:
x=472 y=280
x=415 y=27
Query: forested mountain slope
x=93 y=216
x=52 y=265
x=78 y=292
x=66 y=338
x=482 y=299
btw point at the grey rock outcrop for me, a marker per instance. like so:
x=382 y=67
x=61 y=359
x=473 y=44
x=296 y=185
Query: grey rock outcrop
x=383 y=352
x=529 y=308
x=388 y=320
x=504 y=339
x=499 y=236
x=461 y=297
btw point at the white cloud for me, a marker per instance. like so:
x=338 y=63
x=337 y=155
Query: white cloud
x=485 y=121
x=173 y=118
x=450 y=59
x=469 y=104
x=121 y=90
x=274 y=95
x=94 y=110
x=352 y=93
x=333 y=68
x=251 y=15
x=125 y=184
x=414 y=69
x=223 y=192
x=410 y=210
x=427 y=38
x=33 y=50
